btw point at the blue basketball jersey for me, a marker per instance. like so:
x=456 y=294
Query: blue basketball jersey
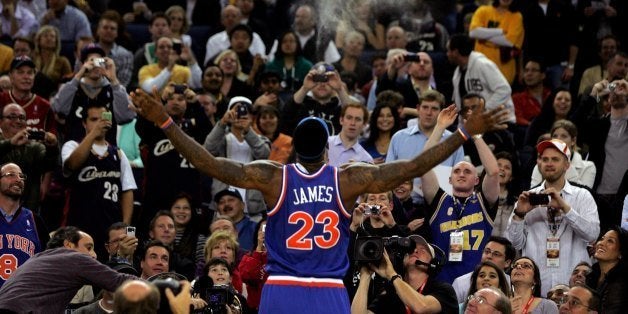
x=473 y=220
x=307 y=232
x=19 y=241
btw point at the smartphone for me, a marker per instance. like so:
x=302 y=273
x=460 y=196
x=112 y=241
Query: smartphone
x=36 y=135
x=411 y=57
x=537 y=199
x=130 y=231
x=242 y=111
x=106 y=115
x=176 y=46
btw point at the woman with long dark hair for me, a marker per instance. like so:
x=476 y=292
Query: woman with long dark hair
x=558 y=106
x=485 y=275
x=189 y=241
x=383 y=123
x=526 y=282
x=289 y=62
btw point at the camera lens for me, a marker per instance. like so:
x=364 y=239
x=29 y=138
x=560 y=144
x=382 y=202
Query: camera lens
x=371 y=250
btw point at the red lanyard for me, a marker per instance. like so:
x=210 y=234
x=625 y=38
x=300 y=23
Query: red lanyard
x=525 y=309
x=420 y=291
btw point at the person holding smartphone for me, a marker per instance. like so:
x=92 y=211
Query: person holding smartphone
x=553 y=222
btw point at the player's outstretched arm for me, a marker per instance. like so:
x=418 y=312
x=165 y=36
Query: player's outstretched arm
x=255 y=175
x=361 y=178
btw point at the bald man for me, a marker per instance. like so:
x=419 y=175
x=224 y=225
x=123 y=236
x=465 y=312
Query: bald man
x=461 y=222
x=138 y=296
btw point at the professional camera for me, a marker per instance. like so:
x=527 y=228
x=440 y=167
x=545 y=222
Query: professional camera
x=162 y=284
x=218 y=297
x=370 y=249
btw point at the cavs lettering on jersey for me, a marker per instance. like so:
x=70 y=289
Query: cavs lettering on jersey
x=472 y=219
x=307 y=233
x=19 y=241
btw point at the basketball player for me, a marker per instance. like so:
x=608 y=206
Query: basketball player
x=307 y=232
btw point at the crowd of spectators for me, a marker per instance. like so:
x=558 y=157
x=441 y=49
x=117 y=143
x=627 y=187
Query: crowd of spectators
x=518 y=209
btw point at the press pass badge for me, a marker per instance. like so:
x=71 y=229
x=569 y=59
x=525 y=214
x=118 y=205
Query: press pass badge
x=456 y=240
x=553 y=252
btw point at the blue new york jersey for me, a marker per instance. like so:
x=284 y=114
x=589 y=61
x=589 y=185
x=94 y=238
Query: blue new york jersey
x=307 y=232
x=18 y=242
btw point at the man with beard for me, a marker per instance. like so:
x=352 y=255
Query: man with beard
x=417 y=82
x=100 y=179
x=230 y=204
x=557 y=216
x=36 y=151
x=19 y=232
x=607 y=139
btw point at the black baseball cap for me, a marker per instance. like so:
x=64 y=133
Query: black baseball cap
x=91 y=48
x=310 y=139
x=228 y=191
x=22 y=61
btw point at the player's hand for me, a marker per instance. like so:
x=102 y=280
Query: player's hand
x=148 y=106
x=482 y=122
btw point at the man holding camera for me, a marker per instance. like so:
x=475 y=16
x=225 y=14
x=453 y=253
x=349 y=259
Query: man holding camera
x=416 y=291
x=553 y=222
x=101 y=180
x=35 y=151
x=417 y=82
x=95 y=82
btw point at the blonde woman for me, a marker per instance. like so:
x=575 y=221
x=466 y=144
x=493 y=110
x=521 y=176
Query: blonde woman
x=46 y=55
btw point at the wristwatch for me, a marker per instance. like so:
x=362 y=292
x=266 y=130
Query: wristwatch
x=393 y=278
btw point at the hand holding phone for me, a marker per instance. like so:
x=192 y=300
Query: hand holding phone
x=538 y=199
x=130 y=231
x=106 y=115
x=36 y=135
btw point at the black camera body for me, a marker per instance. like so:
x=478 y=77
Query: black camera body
x=411 y=57
x=370 y=249
x=162 y=284
x=242 y=110
x=538 y=199
x=36 y=135
x=218 y=297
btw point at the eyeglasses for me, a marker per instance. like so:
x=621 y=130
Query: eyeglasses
x=14 y=117
x=523 y=265
x=496 y=254
x=479 y=300
x=13 y=175
x=572 y=302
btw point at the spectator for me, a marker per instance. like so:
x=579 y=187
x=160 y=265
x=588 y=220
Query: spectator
x=233 y=80
x=607 y=47
x=316 y=46
x=209 y=103
x=290 y=62
x=47 y=58
x=36 y=151
x=581 y=299
x=486 y=274
x=163 y=166
x=498 y=29
x=120 y=245
x=105 y=302
x=19 y=227
x=558 y=293
x=407 y=212
x=616 y=69
x=580 y=171
x=100 y=179
x=527 y=288
x=212 y=84
x=219 y=272
x=159 y=27
x=68 y=246
x=167 y=71
x=325 y=100
x=509 y=190
x=269 y=90
x=268 y=125
x=365 y=22
x=229 y=18
x=189 y=240
x=252 y=18
x=378 y=66
x=483 y=300
x=557 y=107
x=417 y=289
x=109 y=27
x=607 y=138
x=162 y=230
x=529 y=102
x=396 y=38
x=230 y=203
x=224 y=246
x=351 y=54
x=240 y=38
x=137 y=297
x=16 y=20
x=409 y=142
x=424 y=33
x=179 y=25
x=71 y=22
x=95 y=83
x=608 y=275
x=579 y=274
x=383 y=123
x=156 y=259
x=38 y=111
x=344 y=147
x=567 y=222
x=37 y=7
x=252 y=268
x=477 y=74
x=464 y=203
x=418 y=81
x=498 y=253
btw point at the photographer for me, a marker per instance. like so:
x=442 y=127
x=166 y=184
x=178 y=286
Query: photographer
x=416 y=290
x=95 y=82
x=555 y=215
x=138 y=296
x=413 y=84
x=214 y=286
